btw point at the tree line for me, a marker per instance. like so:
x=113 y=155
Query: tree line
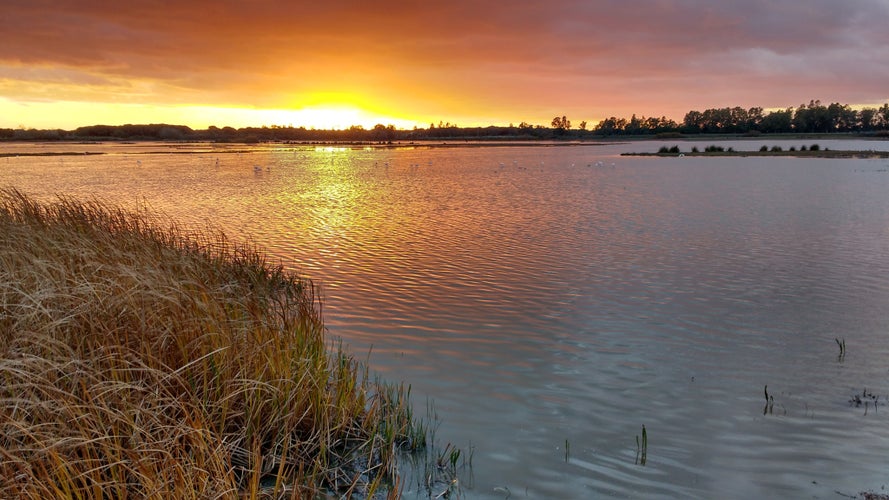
x=813 y=117
x=378 y=134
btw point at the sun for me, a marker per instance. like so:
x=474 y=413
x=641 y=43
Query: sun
x=342 y=109
x=327 y=117
x=334 y=117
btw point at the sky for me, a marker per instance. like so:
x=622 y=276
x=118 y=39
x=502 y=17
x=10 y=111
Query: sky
x=332 y=63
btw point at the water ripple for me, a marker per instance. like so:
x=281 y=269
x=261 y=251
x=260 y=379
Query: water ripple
x=539 y=299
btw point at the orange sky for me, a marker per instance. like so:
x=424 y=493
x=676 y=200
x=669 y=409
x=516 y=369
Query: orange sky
x=325 y=64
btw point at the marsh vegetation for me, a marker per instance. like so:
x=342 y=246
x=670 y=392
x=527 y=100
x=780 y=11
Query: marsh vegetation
x=812 y=151
x=138 y=359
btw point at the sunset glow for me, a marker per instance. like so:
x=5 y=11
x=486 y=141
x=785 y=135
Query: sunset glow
x=199 y=63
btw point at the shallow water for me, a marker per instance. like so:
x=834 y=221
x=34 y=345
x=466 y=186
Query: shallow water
x=537 y=296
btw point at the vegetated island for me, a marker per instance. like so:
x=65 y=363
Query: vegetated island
x=139 y=360
x=813 y=151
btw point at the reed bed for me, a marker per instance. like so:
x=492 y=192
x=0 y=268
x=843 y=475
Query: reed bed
x=138 y=360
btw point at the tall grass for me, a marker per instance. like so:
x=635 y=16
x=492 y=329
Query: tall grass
x=140 y=360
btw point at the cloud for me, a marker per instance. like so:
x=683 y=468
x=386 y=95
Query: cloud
x=598 y=57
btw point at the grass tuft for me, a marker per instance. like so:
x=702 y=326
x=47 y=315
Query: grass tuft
x=642 y=448
x=140 y=360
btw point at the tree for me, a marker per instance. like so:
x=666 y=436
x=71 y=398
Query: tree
x=754 y=118
x=841 y=117
x=583 y=125
x=634 y=126
x=866 y=119
x=383 y=133
x=812 y=118
x=611 y=126
x=562 y=123
x=777 y=122
x=737 y=120
x=883 y=117
x=693 y=122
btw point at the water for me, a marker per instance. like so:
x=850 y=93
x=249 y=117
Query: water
x=538 y=297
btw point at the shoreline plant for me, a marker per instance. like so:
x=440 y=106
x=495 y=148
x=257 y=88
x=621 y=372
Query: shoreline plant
x=141 y=360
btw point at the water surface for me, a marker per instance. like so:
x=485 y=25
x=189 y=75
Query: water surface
x=539 y=295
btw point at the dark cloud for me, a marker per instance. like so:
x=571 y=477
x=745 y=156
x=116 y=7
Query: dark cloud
x=603 y=57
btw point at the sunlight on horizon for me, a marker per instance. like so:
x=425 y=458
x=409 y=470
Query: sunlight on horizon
x=328 y=117
x=69 y=115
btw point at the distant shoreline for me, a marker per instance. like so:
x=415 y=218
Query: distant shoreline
x=186 y=147
x=205 y=147
x=388 y=137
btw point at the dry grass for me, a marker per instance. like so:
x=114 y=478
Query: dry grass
x=137 y=360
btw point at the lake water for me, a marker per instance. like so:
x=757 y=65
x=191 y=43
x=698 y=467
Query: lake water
x=543 y=295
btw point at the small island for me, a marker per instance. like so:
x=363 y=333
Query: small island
x=813 y=151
